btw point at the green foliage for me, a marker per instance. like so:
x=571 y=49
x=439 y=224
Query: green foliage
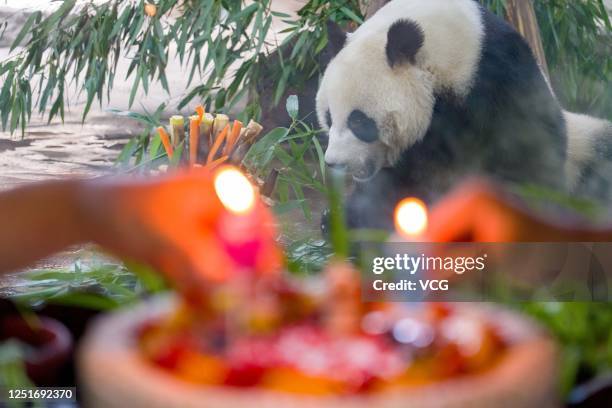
x=13 y=373
x=84 y=43
x=583 y=330
x=338 y=234
x=306 y=38
x=135 y=152
x=101 y=287
x=542 y=198
x=296 y=153
x=577 y=39
x=307 y=256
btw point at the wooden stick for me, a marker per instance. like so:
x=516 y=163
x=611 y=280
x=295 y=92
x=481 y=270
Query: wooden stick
x=217 y=144
x=165 y=139
x=194 y=139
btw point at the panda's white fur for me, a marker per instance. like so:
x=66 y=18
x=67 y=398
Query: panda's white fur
x=451 y=67
x=587 y=136
x=439 y=65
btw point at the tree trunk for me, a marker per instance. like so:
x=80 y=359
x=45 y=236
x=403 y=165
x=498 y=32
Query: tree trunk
x=369 y=7
x=521 y=14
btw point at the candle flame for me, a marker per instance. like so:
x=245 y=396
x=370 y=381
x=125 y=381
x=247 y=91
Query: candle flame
x=234 y=190
x=411 y=217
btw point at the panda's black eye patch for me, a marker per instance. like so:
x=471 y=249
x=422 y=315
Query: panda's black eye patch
x=328 y=120
x=362 y=126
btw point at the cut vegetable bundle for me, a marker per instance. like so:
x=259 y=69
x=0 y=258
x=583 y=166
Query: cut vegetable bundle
x=212 y=139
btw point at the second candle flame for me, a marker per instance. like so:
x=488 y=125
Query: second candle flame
x=411 y=217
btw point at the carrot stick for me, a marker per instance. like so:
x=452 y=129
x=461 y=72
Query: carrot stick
x=194 y=139
x=218 y=141
x=231 y=141
x=200 y=111
x=217 y=162
x=165 y=139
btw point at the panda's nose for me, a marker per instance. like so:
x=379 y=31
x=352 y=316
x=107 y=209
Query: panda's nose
x=334 y=165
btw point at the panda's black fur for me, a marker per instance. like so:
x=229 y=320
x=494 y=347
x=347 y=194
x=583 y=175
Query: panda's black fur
x=509 y=127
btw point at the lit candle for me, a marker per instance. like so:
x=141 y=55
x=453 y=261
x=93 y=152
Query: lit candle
x=246 y=229
x=410 y=219
x=247 y=234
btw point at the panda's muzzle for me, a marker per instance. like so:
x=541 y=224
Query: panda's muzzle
x=335 y=166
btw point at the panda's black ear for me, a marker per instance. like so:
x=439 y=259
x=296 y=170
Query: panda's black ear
x=404 y=39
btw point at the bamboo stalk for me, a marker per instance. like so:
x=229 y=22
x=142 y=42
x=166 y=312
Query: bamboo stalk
x=220 y=121
x=177 y=130
x=206 y=127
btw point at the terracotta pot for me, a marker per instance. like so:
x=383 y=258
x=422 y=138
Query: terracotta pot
x=114 y=374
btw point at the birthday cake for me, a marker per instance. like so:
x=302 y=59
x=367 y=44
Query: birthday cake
x=313 y=343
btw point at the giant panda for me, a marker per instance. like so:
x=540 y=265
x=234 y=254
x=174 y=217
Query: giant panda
x=588 y=167
x=428 y=92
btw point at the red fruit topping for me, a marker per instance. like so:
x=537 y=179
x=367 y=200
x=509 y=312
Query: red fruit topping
x=244 y=375
x=169 y=356
x=439 y=311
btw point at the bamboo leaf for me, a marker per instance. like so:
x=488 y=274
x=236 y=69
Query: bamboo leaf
x=292 y=106
x=25 y=30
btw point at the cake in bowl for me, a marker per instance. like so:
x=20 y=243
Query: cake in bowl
x=313 y=343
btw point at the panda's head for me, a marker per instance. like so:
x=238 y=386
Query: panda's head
x=374 y=99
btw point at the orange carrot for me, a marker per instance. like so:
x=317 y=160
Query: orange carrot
x=200 y=111
x=165 y=139
x=231 y=141
x=217 y=162
x=194 y=139
x=218 y=141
